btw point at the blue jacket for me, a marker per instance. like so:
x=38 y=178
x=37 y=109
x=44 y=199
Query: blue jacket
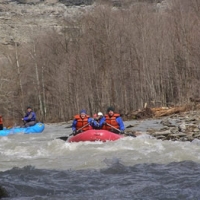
x=30 y=116
x=99 y=124
x=90 y=121
x=121 y=123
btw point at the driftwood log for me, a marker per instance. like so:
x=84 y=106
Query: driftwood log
x=158 y=112
x=163 y=111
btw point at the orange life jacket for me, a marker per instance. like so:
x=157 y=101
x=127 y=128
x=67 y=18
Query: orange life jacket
x=112 y=121
x=1 y=120
x=82 y=122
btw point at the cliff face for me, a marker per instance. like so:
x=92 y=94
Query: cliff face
x=21 y=19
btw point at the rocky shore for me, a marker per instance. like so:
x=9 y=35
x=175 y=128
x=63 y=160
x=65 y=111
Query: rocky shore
x=183 y=126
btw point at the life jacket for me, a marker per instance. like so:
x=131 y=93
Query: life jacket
x=1 y=120
x=112 y=121
x=82 y=122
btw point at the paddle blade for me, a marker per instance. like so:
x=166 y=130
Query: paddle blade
x=63 y=138
x=129 y=134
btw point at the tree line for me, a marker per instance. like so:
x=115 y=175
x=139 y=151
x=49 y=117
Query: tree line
x=121 y=57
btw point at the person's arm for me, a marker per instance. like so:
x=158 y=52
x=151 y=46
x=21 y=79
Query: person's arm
x=102 y=122
x=92 y=122
x=121 y=124
x=74 y=125
x=28 y=117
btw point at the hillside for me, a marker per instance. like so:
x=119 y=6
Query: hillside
x=22 y=18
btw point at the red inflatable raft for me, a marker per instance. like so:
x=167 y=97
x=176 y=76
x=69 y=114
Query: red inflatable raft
x=95 y=135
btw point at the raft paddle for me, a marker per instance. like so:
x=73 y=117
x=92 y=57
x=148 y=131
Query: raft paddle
x=120 y=131
x=66 y=137
x=113 y=127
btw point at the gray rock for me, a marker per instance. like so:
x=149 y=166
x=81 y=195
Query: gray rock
x=182 y=127
x=161 y=137
x=3 y=192
x=163 y=133
x=178 y=135
x=167 y=123
x=76 y=2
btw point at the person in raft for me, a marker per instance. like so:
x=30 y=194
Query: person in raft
x=99 y=118
x=30 y=118
x=82 y=122
x=1 y=122
x=112 y=122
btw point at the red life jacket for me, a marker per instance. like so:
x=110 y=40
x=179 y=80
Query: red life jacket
x=112 y=121
x=82 y=122
x=1 y=120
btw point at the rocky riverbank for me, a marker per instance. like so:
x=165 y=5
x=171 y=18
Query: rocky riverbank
x=183 y=126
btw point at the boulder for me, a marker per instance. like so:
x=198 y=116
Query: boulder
x=3 y=192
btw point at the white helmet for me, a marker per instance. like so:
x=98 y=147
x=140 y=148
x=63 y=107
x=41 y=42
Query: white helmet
x=100 y=114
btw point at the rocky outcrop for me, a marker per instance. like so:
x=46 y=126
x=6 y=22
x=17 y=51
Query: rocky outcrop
x=23 y=19
x=3 y=192
x=177 y=127
x=20 y=19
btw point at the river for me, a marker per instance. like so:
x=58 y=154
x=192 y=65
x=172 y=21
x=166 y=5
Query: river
x=39 y=166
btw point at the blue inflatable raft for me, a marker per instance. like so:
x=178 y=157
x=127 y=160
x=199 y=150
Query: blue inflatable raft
x=37 y=128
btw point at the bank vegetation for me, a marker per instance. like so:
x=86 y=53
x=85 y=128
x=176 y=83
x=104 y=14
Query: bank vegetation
x=124 y=57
